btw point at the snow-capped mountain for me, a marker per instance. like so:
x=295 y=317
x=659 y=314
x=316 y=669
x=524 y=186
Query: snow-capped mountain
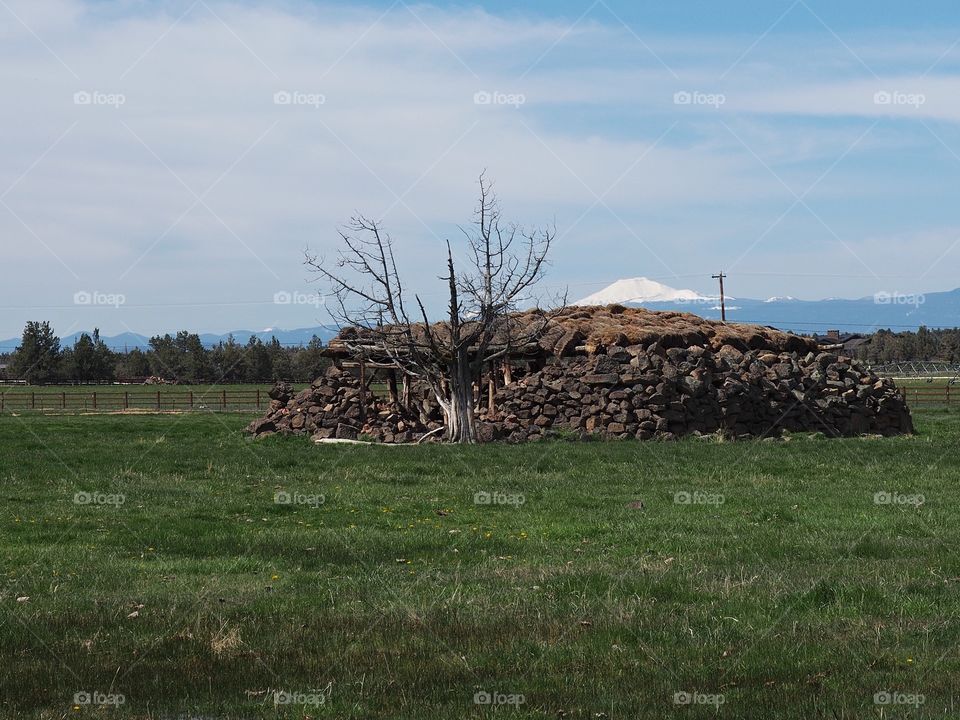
x=639 y=290
x=894 y=310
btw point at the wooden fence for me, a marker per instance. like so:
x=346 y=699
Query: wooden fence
x=137 y=399
x=233 y=399
x=943 y=395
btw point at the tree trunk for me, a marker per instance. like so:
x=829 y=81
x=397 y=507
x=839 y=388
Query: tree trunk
x=459 y=410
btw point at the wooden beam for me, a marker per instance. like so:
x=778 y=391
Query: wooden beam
x=363 y=392
x=491 y=391
x=392 y=385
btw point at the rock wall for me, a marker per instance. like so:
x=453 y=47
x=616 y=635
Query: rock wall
x=332 y=407
x=652 y=392
x=636 y=391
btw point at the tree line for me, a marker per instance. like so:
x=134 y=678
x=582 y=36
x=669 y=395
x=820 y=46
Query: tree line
x=925 y=344
x=183 y=358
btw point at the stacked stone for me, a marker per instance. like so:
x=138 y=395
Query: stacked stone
x=334 y=407
x=656 y=392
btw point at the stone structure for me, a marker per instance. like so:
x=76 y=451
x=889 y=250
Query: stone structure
x=621 y=373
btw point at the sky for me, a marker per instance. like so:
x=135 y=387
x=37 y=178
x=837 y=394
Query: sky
x=166 y=164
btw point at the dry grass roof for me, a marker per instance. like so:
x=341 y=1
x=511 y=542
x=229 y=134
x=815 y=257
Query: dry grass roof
x=592 y=328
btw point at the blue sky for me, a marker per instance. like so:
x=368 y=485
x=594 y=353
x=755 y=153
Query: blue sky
x=806 y=148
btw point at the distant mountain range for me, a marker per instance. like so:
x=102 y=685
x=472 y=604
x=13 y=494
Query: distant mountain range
x=128 y=340
x=895 y=311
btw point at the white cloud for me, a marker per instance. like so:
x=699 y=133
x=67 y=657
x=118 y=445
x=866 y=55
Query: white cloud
x=398 y=112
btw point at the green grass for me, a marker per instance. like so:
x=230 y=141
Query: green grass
x=399 y=597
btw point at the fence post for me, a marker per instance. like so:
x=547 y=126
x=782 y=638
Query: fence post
x=63 y=401
x=223 y=399
x=258 y=398
x=33 y=400
x=158 y=399
x=191 y=399
x=126 y=399
x=94 y=399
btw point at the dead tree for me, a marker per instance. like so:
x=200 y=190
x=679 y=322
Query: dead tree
x=505 y=261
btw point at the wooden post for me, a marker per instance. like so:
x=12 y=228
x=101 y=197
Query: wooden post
x=363 y=391
x=126 y=399
x=33 y=400
x=406 y=392
x=63 y=401
x=223 y=399
x=491 y=392
x=507 y=377
x=191 y=399
x=94 y=399
x=158 y=399
x=392 y=386
x=258 y=399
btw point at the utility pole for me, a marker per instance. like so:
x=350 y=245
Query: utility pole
x=723 y=305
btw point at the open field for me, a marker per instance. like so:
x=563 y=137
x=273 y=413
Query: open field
x=774 y=583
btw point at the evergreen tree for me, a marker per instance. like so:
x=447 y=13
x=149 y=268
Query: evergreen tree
x=37 y=360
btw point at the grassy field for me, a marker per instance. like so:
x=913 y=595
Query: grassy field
x=157 y=558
